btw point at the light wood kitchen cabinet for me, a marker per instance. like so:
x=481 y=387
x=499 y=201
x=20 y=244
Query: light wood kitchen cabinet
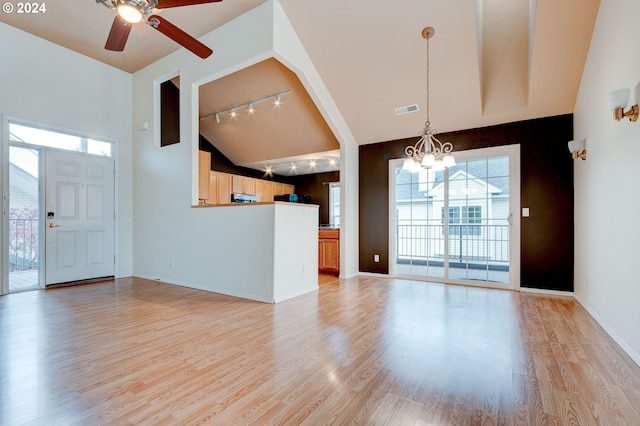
x=329 y=251
x=224 y=188
x=261 y=190
x=271 y=190
x=249 y=185
x=279 y=189
x=213 y=188
x=216 y=187
x=237 y=184
x=219 y=188
x=204 y=167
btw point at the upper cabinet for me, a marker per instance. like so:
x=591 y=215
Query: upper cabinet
x=249 y=185
x=237 y=184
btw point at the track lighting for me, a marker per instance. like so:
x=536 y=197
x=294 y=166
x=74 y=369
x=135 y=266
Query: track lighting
x=249 y=105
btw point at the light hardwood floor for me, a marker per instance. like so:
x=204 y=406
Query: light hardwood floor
x=367 y=350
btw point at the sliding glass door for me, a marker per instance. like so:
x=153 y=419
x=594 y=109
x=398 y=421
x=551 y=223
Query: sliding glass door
x=459 y=225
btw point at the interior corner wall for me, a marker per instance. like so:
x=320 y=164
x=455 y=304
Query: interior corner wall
x=546 y=189
x=45 y=84
x=607 y=239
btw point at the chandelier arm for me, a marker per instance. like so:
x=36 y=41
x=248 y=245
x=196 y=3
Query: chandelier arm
x=416 y=151
x=443 y=147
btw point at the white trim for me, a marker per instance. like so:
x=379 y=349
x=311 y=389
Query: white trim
x=207 y=288
x=513 y=152
x=609 y=330
x=6 y=119
x=372 y=274
x=4 y=229
x=546 y=292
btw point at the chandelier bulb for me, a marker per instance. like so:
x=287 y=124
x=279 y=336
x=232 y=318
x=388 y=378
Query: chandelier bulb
x=428 y=160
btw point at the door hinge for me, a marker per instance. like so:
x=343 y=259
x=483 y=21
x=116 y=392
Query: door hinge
x=114 y=259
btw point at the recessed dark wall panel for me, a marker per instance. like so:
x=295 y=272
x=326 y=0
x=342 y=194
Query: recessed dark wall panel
x=169 y=113
x=546 y=188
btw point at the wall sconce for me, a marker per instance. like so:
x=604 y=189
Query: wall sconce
x=576 y=148
x=618 y=101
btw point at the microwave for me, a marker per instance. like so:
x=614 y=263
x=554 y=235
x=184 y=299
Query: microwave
x=290 y=198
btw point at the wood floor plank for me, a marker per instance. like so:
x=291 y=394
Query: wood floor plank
x=366 y=350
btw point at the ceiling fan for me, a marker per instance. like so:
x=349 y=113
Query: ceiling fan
x=132 y=11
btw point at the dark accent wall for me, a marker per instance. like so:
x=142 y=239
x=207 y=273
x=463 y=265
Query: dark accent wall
x=169 y=113
x=220 y=163
x=546 y=188
x=316 y=186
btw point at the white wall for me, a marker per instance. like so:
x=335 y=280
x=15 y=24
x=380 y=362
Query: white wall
x=607 y=234
x=295 y=270
x=167 y=228
x=49 y=85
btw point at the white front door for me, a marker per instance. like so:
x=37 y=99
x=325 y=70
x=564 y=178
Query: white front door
x=79 y=217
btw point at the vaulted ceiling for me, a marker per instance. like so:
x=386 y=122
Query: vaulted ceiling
x=492 y=62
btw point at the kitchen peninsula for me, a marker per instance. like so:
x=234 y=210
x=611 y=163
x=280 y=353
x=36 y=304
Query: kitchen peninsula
x=265 y=251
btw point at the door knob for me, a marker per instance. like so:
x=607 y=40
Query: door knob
x=51 y=225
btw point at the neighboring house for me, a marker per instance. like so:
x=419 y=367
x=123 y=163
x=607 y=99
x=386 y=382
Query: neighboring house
x=23 y=187
x=477 y=213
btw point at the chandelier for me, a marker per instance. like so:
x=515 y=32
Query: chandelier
x=428 y=152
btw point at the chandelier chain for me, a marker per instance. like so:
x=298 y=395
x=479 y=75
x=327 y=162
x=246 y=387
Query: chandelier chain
x=428 y=72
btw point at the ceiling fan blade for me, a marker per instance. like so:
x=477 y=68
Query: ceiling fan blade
x=118 y=35
x=163 y=4
x=180 y=37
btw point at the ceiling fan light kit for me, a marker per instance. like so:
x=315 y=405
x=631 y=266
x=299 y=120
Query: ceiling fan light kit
x=133 y=11
x=129 y=10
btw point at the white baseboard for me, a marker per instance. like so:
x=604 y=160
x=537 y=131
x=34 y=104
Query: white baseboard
x=209 y=289
x=547 y=292
x=372 y=274
x=625 y=347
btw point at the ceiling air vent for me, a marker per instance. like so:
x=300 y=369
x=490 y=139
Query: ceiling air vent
x=407 y=109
